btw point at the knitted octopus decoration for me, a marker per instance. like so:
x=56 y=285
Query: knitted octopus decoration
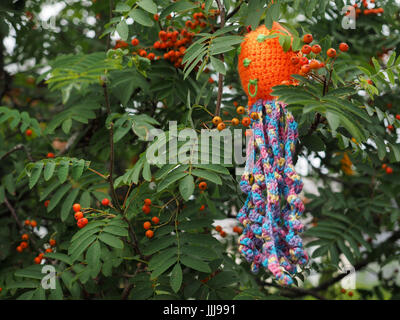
x=271 y=212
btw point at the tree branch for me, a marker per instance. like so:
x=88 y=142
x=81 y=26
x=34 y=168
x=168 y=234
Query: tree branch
x=16 y=148
x=220 y=75
x=13 y=213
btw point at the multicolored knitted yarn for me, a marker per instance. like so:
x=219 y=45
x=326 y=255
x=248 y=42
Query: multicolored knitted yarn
x=270 y=215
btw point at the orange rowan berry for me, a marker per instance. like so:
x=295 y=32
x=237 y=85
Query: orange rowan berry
x=344 y=47
x=390 y=127
x=24 y=245
x=216 y=120
x=210 y=80
x=27 y=222
x=306 y=68
x=331 y=53
x=25 y=236
x=343 y=290
x=221 y=126
x=151 y=56
x=384 y=166
x=156 y=17
x=314 y=64
x=303 y=61
x=306 y=49
x=46 y=203
x=246 y=121
x=218 y=228
x=142 y=53
x=222 y=234
x=308 y=38
x=240 y=110
x=398 y=117
x=37 y=260
x=52 y=242
x=350 y=293
x=41 y=255
x=254 y=115
x=235 y=103
x=316 y=48
x=389 y=170
x=202 y=207
x=20 y=249
x=135 y=41
x=78 y=215
x=33 y=223
x=76 y=207
x=146 y=209
x=235 y=121
x=203 y=185
x=82 y=222
x=105 y=202
x=50 y=155
x=147 y=202
x=239 y=230
x=149 y=234
x=155 y=220
x=48 y=250
x=147 y=225
x=294 y=60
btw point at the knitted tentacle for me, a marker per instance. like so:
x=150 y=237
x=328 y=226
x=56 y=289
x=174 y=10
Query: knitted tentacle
x=270 y=236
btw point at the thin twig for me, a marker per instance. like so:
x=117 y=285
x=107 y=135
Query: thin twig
x=13 y=213
x=220 y=75
x=16 y=148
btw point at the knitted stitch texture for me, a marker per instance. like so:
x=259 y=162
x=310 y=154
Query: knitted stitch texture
x=270 y=215
x=264 y=61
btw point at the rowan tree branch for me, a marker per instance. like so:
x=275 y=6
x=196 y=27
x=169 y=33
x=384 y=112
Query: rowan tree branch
x=16 y=148
x=221 y=9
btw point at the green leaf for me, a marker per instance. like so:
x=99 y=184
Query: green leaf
x=195 y=264
x=207 y=175
x=58 y=256
x=123 y=30
x=58 y=196
x=67 y=204
x=218 y=65
x=111 y=240
x=148 y=5
x=186 y=187
x=49 y=170
x=93 y=255
x=62 y=171
x=170 y=179
x=116 y=230
x=176 y=278
x=141 y=17
x=35 y=175
x=79 y=249
x=77 y=169
x=178 y=7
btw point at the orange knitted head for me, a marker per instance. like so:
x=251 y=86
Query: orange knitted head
x=263 y=64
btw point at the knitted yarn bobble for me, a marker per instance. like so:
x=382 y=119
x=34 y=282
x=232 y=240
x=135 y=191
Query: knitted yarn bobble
x=270 y=215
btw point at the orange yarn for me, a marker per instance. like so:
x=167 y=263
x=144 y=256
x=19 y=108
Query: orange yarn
x=264 y=64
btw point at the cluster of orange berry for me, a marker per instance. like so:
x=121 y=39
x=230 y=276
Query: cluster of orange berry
x=40 y=257
x=221 y=125
x=222 y=233
x=366 y=11
x=31 y=223
x=147 y=225
x=81 y=220
x=389 y=170
x=313 y=51
x=24 y=243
